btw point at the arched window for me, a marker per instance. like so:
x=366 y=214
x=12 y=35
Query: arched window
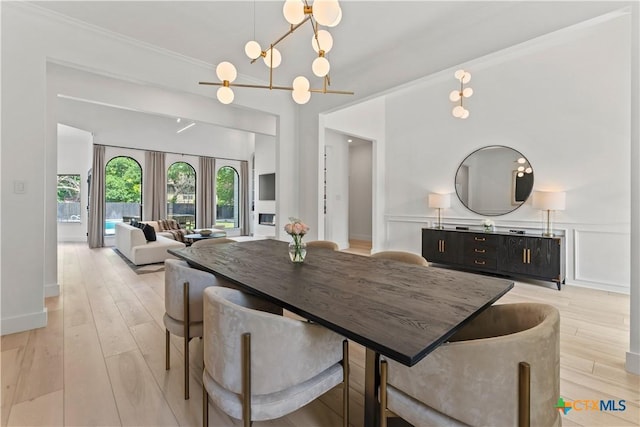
x=123 y=192
x=181 y=194
x=227 y=198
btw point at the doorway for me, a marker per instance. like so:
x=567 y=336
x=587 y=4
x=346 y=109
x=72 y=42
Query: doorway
x=348 y=191
x=360 y=194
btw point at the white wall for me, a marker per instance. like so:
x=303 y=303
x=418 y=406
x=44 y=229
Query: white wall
x=338 y=196
x=75 y=158
x=553 y=100
x=558 y=103
x=147 y=80
x=360 y=190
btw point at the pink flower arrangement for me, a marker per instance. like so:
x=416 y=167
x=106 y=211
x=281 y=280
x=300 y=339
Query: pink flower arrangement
x=296 y=227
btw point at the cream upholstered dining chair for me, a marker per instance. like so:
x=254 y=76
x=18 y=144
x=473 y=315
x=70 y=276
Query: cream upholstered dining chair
x=259 y=366
x=503 y=368
x=211 y=241
x=324 y=244
x=183 y=292
x=402 y=256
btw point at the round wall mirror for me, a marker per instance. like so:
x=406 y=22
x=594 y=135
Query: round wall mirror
x=494 y=180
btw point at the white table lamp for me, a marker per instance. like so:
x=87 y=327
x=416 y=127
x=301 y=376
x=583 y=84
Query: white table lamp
x=439 y=201
x=549 y=201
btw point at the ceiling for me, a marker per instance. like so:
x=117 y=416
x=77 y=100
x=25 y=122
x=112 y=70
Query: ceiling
x=378 y=45
x=387 y=37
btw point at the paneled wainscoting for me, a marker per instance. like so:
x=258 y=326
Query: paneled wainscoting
x=598 y=256
x=100 y=360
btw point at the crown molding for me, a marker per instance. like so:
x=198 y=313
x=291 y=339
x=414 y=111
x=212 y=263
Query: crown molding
x=64 y=19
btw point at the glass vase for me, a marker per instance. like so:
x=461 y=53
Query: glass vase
x=297 y=250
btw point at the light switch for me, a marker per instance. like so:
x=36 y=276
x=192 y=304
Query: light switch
x=19 y=187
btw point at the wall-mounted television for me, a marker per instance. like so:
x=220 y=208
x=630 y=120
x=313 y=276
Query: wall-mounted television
x=267 y=186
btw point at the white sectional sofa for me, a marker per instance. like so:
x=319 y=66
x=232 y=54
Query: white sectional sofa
x=131 y=243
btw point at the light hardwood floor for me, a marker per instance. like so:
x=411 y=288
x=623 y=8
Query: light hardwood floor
x=100 y=360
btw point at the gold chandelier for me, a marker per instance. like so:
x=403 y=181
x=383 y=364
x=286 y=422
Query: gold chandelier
x=297 y=12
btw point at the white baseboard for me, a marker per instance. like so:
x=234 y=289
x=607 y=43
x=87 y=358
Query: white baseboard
x=360 y=237
x=633 y=362
x=72 y=239
x=51 y=290
x=11 y=325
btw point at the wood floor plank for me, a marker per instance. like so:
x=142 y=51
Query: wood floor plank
x=44 y=410
x=133 y=312
x=113 y=331
x=14 y=340
x=11 y=363
x=150 y=339
x=43 y=361
x=140 y=401
x=77 y=310
x=88 y=397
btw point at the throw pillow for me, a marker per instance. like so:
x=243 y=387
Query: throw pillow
x=149 y=233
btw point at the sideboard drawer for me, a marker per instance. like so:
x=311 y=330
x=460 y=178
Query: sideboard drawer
x=481 y=241
x=484 y=263
x=482 y=251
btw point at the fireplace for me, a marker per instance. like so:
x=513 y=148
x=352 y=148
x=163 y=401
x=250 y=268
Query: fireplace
x=267 y=219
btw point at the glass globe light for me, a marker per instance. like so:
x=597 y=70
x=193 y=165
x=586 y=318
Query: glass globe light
x=293 y=11
x=465 y=114
x=520 y=174
x=466 y=78
x=457 y=111
x=277 y=58
x=522 y=160
x=301 y=83
x=467 y=92
x=301 y=96
x=326 y=11
x=325 y=40
x=454 y=95
x=253 y=49
x=225 y=95
x=520 y=168
x=226 y=71
x=320 y=66
x=338 y=19
x=459 y=74
x=528 y=170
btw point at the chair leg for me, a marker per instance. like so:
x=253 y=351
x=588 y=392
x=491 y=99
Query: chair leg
x=524 y=394
x=167 y=351
x=186 y=368
x=187 y=322
x=246 y=379
x=345 y=383
x=205 y=406
x=383 y=393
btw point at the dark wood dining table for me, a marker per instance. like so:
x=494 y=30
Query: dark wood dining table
x=397 y=310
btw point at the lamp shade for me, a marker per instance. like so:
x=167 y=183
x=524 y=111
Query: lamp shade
x=549 y=200
x=439 y=200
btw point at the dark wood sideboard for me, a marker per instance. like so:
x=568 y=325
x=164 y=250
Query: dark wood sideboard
x=508 y=254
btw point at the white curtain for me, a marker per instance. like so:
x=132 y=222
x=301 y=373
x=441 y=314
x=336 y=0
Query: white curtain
x=207 y=193
x=97 y=199
x=244 y=198
x=154 y=186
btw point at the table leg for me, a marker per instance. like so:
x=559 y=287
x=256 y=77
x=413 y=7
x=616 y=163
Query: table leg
x=371 y=384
